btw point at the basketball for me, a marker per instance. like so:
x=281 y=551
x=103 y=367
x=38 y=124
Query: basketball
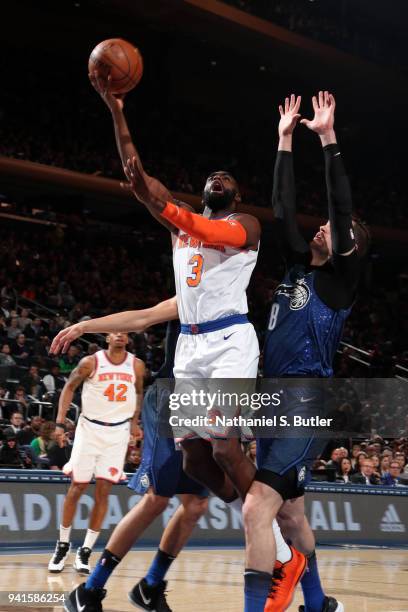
x=119 y=59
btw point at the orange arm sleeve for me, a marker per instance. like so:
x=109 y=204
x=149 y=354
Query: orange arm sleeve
x=225 y=232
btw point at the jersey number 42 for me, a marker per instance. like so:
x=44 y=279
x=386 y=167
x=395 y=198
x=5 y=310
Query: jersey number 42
x=116 y=393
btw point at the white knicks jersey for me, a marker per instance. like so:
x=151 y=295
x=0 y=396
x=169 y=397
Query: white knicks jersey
x=211 y=280
x=109 y=395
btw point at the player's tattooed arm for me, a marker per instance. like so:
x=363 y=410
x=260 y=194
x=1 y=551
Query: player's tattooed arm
x=128 y=321
x=147 y=189
x=140 y=371
x=83 y=371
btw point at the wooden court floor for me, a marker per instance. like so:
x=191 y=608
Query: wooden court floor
x=370 y=580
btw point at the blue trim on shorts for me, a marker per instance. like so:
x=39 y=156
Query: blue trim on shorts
x=209 y=326
x=299 y=459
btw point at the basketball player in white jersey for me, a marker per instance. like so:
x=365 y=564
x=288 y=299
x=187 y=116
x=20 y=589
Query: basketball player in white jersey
x=112 y=397
x=214 y=255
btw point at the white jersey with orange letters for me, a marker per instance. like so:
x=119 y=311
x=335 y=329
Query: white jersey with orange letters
x=211 y=280
x=211 y=283
x=108 y=396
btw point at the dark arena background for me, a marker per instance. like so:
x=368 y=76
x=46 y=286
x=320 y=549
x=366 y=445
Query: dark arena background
x=74 y=245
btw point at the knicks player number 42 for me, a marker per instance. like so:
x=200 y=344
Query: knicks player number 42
x=116 y=393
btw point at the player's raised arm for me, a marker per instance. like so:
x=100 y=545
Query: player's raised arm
x=284 y=194
x=83 y=370
x=241 y=232
x=128 y=321
x=338 y=186
x=146 y=188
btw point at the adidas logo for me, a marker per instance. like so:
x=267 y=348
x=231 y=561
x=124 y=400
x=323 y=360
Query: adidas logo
x=391 y=521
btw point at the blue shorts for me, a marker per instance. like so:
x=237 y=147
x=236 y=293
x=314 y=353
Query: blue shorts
x=161 y=467
x=284 y=461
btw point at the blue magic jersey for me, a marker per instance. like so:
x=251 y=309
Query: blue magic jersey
x=303 y=333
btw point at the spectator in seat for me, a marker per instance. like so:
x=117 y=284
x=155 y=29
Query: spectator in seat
x=366 y=475
x=26 y=435
x=24 y=319
x=359 y=460
x=391 y=478
x=387 y=452
x=376 y=463
x=44 y=441
x=31 y=381
x=345 y=470
x=384 y=465
x=21 y=351
x=334 y=461
x=16 y=422
x=69 y=361
x=400 y=457
x=21 y=397
x=132 y=460
x=9 y=452
x=13 y=330
x=92 y=348
x=5 y=307
x=60 y=452
x=52 y=381
x=5 y=356
x=35 y=329
x=355 y=450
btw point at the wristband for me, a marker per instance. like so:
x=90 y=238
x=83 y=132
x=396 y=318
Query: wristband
x=62 y=425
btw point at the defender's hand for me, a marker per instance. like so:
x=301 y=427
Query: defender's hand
x=289 y=115
x=101 y=85
x=323 y=120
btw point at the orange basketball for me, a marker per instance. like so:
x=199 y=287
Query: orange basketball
x=119 y=59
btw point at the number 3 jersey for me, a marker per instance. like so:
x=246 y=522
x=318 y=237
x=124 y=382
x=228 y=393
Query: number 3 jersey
x=303 y=333
x=211 y=280
x=109 y=395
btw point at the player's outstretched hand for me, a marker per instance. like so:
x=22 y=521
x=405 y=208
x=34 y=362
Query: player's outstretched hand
x=65 y=337
x=101 y=85
x=323 y=120
x=289 y=114
x=136 y=179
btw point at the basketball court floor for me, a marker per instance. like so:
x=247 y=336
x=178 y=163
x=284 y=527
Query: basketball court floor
x=206 y=580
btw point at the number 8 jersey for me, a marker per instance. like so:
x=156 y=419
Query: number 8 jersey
x=211 y=280
x=109 y=394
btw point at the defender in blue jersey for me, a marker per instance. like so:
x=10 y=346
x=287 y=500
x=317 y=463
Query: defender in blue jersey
x=305 y=326
x=159 y=477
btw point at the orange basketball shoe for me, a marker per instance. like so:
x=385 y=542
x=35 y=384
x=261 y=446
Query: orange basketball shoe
x=285 y=579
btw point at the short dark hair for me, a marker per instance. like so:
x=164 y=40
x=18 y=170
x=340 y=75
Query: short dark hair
x=362 y=236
